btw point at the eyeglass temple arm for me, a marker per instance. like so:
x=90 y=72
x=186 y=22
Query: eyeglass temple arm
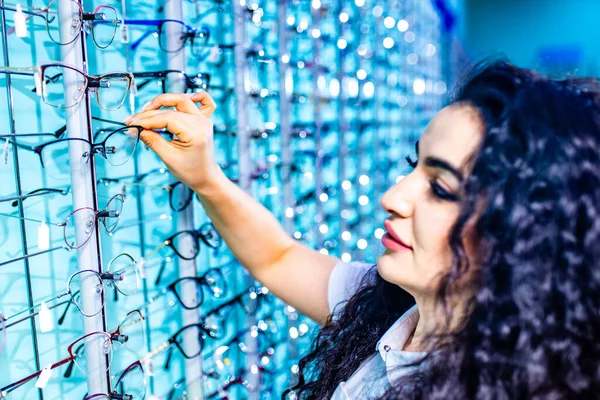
x=150 y=74
x=64 y=314
x=69 y=370
x=25 y=146
x=109 y=121
x=143 y=84
x=24 y=9
x=168 y=360
x=29 y=316
x=144 y=22
x=161 y=270
x=176 y=385
x=33 y=255
x=38 y=192
x=165 y=345
x=137 y=43
x=38 y=305
x=48 y=79
x=25 y=71
x=15 y=385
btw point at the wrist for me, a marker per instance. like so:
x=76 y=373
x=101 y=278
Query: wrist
x=211 y=182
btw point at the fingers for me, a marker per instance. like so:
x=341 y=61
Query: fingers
x=184 y=103
x=132 y=120
x=180 y=101
x=156 y=142
x=173 y=121
x=207 y=104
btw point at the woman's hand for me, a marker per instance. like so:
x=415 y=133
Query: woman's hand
x=189 y=157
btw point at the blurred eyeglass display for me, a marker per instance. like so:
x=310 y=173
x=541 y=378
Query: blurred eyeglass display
x=318 y=104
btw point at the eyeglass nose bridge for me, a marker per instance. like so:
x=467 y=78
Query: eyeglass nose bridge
x=94 y=16
x=112 y=277
x=109 y=214
x=94 y=84
x=119 y=338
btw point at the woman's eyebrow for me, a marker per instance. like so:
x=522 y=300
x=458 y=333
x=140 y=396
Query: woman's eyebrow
x=434 y=162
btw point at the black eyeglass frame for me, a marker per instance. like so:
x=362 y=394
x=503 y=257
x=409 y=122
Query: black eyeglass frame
x=95 y=148
x=192 y=82
x=201 y=233
x=200 y=281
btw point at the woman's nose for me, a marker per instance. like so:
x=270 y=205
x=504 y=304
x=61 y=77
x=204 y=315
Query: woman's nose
x=396 y=200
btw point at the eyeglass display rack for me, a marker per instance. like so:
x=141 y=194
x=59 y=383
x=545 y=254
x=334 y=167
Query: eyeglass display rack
x=318 y=104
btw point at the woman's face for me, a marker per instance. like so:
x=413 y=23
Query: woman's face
x=423 y=207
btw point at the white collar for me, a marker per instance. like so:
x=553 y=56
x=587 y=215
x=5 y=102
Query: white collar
x=394 y=339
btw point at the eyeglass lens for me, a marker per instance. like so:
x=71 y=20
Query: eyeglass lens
x=95 y=345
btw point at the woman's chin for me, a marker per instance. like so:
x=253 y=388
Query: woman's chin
x=399 y=272
x=390 y=269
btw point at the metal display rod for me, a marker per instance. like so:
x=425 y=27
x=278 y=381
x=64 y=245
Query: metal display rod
x=342 y=127
x=286 y=146
x=137 y=190
x=19 y=191
x=317 y=73
x=83 y=183
x=243 y=131
x=184 y=219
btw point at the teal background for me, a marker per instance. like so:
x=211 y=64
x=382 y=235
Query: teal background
x=383 y=114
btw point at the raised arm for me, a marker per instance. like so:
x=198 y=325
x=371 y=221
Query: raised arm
x=295 y=273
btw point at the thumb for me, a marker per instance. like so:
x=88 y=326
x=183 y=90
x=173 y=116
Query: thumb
x=207 y=104
x=155 y=142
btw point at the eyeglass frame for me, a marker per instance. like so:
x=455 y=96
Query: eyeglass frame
x=200 y=281
x=171 y=288
x=117 y=289
x=197 y=235
x=34 y=193
x=163 y=265
x=139 y=177
x=115 y=336
x=223 y=310
x=189 y=32
x=173 y=340
x=113 y=395
x=101 y=276
x=91 y=81
x=90 y=18
x=190 y=80
x=3 y=328
x=15 y=385
x=95 y=148
x=97 y=215
x=168 y=345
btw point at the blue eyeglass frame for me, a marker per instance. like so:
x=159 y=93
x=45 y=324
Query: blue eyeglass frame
x=189 y=32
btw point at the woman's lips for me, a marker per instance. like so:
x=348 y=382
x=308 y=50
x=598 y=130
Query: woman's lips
x=391 y=240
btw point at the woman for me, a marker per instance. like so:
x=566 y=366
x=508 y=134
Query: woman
x=489 y=287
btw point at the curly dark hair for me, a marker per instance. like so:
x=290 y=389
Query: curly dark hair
x=533 y=327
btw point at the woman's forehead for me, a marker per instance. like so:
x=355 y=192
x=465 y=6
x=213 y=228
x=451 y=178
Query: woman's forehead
x=453 y=134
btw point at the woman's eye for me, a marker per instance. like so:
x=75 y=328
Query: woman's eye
x=442 y=193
